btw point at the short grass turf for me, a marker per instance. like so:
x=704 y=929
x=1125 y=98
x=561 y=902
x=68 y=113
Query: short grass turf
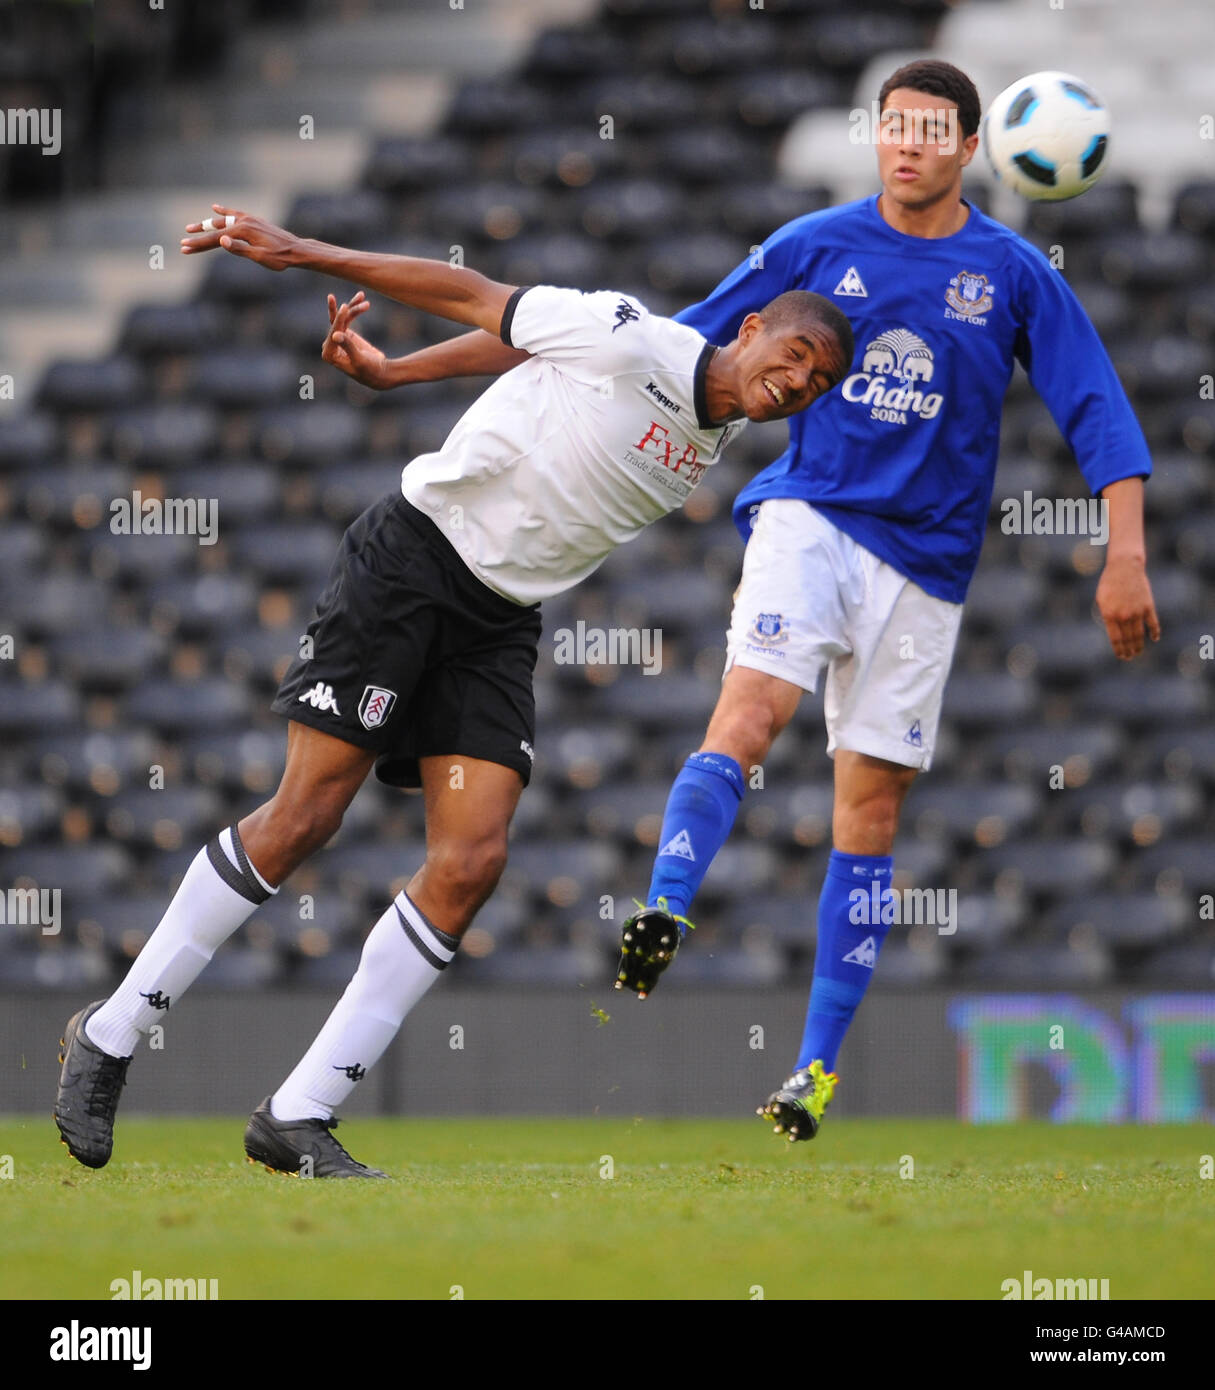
x=557 y=1209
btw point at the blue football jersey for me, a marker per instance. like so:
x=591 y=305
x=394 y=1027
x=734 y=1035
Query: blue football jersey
x=902 y=454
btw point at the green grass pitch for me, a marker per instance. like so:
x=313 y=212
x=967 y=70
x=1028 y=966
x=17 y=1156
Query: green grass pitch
x=525 y=1208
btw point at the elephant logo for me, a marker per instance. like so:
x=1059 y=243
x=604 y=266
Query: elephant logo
x=898 y=352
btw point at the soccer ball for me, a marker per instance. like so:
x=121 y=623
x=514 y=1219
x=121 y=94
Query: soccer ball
x=1047 y=136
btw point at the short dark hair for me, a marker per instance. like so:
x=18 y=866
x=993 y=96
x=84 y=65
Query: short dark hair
x=938 y=79
x=798 y=308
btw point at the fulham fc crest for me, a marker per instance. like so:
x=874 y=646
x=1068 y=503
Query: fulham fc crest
x=375 y=705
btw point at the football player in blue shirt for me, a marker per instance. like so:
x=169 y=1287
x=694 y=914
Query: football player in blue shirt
x=864 y=535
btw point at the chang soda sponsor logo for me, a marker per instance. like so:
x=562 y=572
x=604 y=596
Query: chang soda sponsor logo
x=896 y=368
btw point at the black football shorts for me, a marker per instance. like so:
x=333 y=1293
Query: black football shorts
x=411 y=655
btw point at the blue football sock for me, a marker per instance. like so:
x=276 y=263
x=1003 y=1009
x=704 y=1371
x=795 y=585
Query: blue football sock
x=698 y=820
x=850 y=935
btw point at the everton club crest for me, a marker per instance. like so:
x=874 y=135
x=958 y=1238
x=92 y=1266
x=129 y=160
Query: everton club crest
x=968 y=296
x=769 y=630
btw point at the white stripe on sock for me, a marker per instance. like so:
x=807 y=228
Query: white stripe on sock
x=225 y=841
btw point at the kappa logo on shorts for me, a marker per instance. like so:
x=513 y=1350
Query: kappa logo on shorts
x=769 y=630
x=320 y=697
x=375 y=706
x=528 y=749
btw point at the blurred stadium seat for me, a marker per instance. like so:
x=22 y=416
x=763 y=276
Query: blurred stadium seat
x=165 y=652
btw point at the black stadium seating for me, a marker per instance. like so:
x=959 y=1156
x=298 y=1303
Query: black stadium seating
x=163 y=653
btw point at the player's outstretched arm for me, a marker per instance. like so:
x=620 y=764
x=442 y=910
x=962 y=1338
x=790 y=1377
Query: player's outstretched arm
x=1072 y=372
x=472 y=354
x=435 y=287
x=1124 y=596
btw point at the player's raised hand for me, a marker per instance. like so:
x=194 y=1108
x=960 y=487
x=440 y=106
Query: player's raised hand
x=1124 y=600
x=348 y=351
x=243 y=235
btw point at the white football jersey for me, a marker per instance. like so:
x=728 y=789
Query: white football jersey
x=572 y=453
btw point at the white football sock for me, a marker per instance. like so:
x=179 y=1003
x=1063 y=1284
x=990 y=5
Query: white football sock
x=402 y=958
x=219 y=892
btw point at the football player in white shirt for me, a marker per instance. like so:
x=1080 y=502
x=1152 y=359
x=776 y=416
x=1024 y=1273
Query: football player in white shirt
x=425 y=638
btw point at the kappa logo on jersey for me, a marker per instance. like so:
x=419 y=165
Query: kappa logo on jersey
x=968 y=297
x=896 y=365
x=375 y=706
x=659 y=396
x=913 y=736
x=680 y=846
x=865 y=954
x=769 y=630
x=320 y=697
x=625 y=313
x=852 y=285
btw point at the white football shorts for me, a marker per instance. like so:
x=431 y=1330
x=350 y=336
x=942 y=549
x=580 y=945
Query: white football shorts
x=811 y=597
